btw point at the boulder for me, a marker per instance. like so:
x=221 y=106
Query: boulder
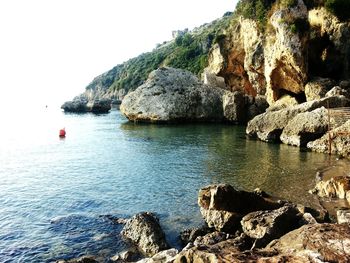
x=269 y=125
x=340 y=141
x=234 y=106
x=165 y=256
x=190 y=234
x=305 y=127
x=285 y=101
x=129 y=255
x=144 y=230
x=343 y=216
x=223 y=207
x=173 y=95
x=99 y=106
x=327 y=242
x=211 y=239
x=77 y=106
x=336 y=187
x=264 y=226
x=317 y=88
x=337 y=91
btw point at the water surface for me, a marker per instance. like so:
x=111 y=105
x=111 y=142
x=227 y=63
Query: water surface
x=55 y=192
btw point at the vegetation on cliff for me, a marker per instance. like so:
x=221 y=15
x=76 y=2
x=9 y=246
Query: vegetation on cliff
x=188 y=50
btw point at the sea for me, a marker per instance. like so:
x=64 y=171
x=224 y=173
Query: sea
x=59 y=196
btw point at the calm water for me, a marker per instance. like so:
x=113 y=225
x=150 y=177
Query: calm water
x=54 y=193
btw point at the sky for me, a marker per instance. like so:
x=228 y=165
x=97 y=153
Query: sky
x=50 y=50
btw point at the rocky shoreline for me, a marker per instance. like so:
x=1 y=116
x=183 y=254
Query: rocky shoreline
x=243 y=226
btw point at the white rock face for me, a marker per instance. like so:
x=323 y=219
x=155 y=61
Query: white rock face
x=173 y=95
x=285 y=54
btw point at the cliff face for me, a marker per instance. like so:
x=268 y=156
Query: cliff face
x=295 y=45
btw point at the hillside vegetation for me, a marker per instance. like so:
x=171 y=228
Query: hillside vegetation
x=188 y=50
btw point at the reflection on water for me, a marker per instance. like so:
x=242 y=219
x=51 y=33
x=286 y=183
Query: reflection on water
x=53 y=191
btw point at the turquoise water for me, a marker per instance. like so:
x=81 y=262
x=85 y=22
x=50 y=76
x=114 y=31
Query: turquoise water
x=55 y=193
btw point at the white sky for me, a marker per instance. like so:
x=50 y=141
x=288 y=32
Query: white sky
x=51 y=49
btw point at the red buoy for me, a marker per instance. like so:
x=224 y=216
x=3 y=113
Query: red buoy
x=62 y=133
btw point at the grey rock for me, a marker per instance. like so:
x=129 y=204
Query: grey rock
x=189 y=235
x=269 y=125
x=165 y=256
x=264 y=226
x=337 y=91
x=234 y=106
x=144 y=230
x=79 y=105
x=305 y=127
x=173 y=95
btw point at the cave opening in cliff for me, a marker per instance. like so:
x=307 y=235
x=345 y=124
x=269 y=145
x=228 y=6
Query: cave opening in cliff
x=323 y=57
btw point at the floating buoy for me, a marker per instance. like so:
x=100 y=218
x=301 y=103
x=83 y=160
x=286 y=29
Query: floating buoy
x=62 y=133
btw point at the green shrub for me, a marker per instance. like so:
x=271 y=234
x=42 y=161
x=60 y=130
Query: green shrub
x=340 y=8
x=288 y=3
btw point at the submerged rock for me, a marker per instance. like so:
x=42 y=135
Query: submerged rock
x=144 y=230
x=173 y=95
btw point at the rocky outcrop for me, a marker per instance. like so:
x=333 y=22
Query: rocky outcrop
x=238 y=57
x=269 y=126
x=223 y=207
x=286 y=53
x=144 y=230
x=329 y=45
x=81 y=105
x=340 y=143
x=305 y=127
x=173 y=95
x=336 y=187
x=326 y=242
x=264 y=226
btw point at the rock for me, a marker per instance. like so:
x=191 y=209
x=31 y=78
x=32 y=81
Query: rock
x=129 y=255
x=212 y=80
x=317 y=88
x=234 y=106
x=340 y=142
x=189 y=235
x=344 y=84
x=223 y=207
x=83 y=259
x=239 y=58
x=173 y=95
x=99 y=106
x=285 y=53
x=144 y=230
x=336 y=187
x=79 y=105
x=255 y=106
x=211 y=239
x=337 y=91
x=331 y=242
x=166 y=256
x=306 y=219
x=343 y=216
x=329 y=45
x=264 y=226
x=305 y=127
x=285 y=101
x=269 y=125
